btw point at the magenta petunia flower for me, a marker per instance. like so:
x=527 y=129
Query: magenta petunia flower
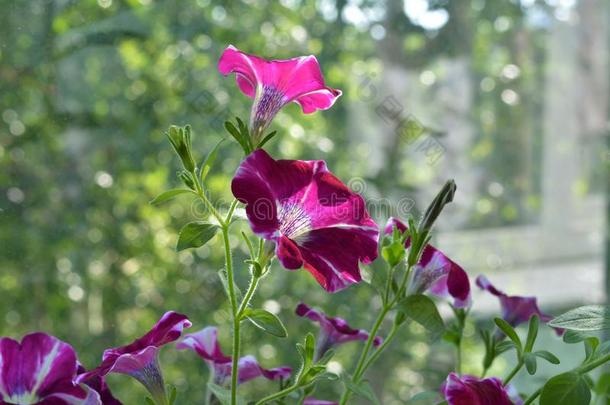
x=205 y=344
x=469 y=390
x=515 y=309
x=436 y=273
x=273 y=84
x=333 y=331
x=315 y=221
x=139 y=359
x=40 y=370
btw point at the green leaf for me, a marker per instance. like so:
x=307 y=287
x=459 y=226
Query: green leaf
x=422 y=310
x=362 y=389
x=586 y=318
x=532 y=333
x=209 y=161
x=195 y=234
x=266 y=321
x=591 y=344
x=266 y=139
x=530 y=362
x=508 y=331
x=168 y=195
x=149 y=401
x=602 y=387
x=423 y=398
x=235 y=133
x=548 y=356
x=504 y=346
x=566 y=389
x=573 y=336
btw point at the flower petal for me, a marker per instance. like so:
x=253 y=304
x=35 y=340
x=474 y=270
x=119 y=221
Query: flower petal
x=34 y=368
x=313 y=401
x=205 y=344
x=289 y=254
x=248 y=69
x=249 y=369
x=127 y=359
x=470 y=390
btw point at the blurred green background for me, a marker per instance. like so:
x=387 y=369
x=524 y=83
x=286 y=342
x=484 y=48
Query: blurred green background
x=512 y=96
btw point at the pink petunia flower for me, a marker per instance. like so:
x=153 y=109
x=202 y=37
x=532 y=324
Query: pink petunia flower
x=515 y=309
x=333 y=331
x=315 y=221
x=205 y=344
x=273 y=84
x=41 y=370
x=139 y=359
x=436 y=273
x=469 y=390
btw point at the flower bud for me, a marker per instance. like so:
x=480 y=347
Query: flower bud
x=180 y=138
x=444 y=197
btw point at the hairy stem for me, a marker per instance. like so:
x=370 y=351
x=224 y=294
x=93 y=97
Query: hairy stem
x=532 y=397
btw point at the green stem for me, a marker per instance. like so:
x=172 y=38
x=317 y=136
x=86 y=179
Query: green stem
x=532 y=397
x=278 y=395
x=246 y=300
x=513 y=372
x=585 y=368
x=381 y=348
x=233 y=302
x=365 y=352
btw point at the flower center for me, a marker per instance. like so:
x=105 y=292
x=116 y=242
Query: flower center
x=266 y=105
x=294 y=221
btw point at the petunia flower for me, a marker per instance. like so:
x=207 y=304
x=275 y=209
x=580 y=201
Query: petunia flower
x=315 y=221
x=273 y=84
x=205 y=344
x=333 y=331
x=139 y=359
x=515 y=309
x=40 y=370
x=469 y=390
x=436 y=273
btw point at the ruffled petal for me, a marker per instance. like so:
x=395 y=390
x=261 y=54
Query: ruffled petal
x=248 y=69
x=469 y=390
x=70 y=394
x=35 y=368
x=515 y=309
x=333 y=330
x=205 y=344
x=127 y=359
x=249 y=369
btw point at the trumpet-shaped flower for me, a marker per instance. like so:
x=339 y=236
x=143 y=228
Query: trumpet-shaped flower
x=273 y=84
x=515 y=309
x=205 y=344
x=469 y=390
x=41 y=370
x=333 y=331
x=315 y=220
x=436 y=273
x=139 y=359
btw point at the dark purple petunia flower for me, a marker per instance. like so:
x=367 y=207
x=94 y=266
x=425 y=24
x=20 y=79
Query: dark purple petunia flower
x=273 y=84
x=139 y=359
x=205 y=344
x=40 y=370
x=333 y=331
x=469 y=390
x=515 y=309
x=436 y=273
x=315 y=221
